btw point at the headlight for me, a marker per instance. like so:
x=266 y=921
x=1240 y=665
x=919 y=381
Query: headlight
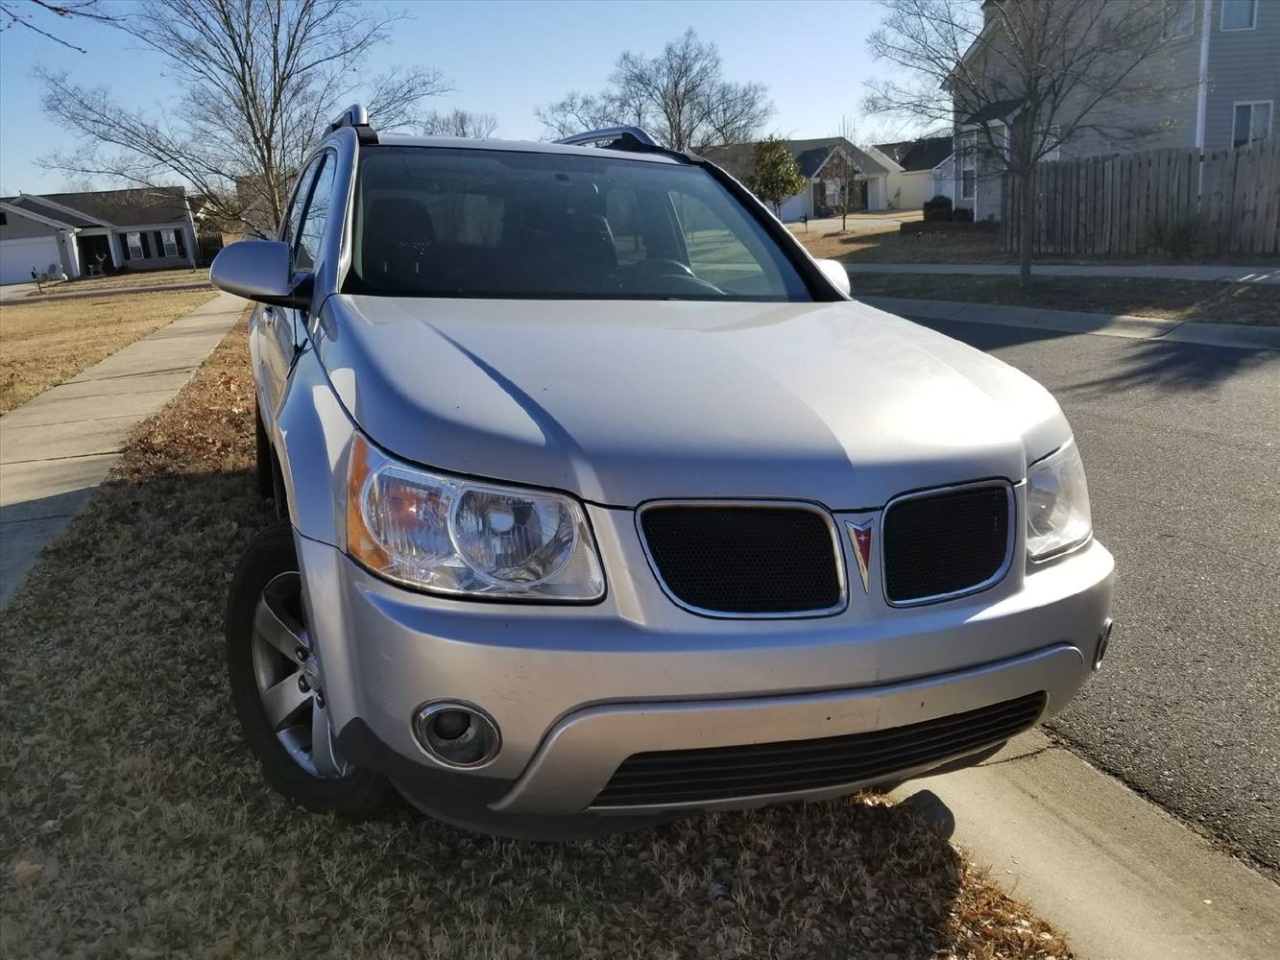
x=1057 y=504
x=454 y=536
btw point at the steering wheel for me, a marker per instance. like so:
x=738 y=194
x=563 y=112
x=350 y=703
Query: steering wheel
x=674 y=272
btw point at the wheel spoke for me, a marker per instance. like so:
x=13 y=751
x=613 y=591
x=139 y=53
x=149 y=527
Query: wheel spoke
x=324 y=752
x=273 y=624
x=285 y=701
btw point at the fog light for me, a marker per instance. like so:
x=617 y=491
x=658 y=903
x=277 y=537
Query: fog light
x=457 y=734
x=1104 y=640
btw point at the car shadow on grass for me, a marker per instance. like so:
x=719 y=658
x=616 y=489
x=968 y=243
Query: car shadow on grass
x=137 y=820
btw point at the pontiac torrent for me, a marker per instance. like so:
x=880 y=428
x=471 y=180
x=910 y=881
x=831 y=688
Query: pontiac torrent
x=601 y=501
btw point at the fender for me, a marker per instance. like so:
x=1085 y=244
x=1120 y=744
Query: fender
x=312 y=440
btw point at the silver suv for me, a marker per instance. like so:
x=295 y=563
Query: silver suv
x=600 y=501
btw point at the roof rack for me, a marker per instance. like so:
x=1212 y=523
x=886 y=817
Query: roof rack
x=356 y=117
x=615 y=137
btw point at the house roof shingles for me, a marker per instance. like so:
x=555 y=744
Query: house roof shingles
x=912 y=155
x=115 y=208
x=36 y=206
x=810 y=156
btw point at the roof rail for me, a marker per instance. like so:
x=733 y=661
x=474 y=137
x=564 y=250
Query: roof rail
x=357 y=117
x=609 y=135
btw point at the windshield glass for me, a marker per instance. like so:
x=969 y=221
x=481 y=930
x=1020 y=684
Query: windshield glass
x=437 y=222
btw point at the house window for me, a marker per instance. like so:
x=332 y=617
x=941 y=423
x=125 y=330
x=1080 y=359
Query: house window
x=1182 y=19
x=1239 y=14
x=968 y=165
x=1252 y=122
x=170 y=241
x=134 y=241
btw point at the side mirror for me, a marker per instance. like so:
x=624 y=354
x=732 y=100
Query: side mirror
x=833 y=270
x=260 y=270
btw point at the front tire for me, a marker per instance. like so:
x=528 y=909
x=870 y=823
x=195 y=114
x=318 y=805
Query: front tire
x=278 y=691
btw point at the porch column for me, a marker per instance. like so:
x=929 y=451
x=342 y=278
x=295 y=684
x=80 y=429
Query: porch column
x=113 y=242
x=73 y=253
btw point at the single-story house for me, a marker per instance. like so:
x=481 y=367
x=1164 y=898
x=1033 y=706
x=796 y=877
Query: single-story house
x=918 y=170
x=80 y=233
x=822 y=196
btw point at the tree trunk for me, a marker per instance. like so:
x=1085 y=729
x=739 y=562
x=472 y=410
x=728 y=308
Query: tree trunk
x=1026 y=228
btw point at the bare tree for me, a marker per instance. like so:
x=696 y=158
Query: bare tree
x=259 y=78
x=24 y=13
x=459 y=123
x=679 y=96
x=1018 y=79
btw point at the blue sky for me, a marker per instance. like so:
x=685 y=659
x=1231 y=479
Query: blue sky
x=504 y=58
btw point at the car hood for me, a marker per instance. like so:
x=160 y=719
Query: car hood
x=625 y=401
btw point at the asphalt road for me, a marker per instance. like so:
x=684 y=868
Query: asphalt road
x=1181 y=444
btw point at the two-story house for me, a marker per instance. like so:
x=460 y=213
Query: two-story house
x=1217 y=70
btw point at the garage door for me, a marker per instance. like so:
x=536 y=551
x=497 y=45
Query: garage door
x=19 y=257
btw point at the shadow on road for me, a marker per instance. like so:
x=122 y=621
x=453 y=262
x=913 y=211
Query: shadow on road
x=1180 y=366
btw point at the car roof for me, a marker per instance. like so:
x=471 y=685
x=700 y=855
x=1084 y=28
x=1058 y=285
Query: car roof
x=520 y=146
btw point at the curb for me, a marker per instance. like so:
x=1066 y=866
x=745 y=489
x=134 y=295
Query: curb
x=1236 y=335
x=1121 y=878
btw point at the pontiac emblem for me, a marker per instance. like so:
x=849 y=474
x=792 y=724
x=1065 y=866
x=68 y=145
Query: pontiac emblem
x=860 y=537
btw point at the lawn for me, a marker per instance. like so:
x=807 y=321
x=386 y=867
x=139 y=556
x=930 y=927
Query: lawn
x=43 y=344
x=130 y=278
x=1158 y=299
x=888 y=245
x=133 y=822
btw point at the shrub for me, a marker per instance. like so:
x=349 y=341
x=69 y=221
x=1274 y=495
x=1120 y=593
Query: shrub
x=939 y=208
x=1176 y=237
x=963 y=215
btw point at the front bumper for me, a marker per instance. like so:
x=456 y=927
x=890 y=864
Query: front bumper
x=578 y=690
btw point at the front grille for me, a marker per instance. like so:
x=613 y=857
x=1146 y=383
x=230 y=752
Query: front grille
x=730 y=773
x=745 y=559
x=945 y=543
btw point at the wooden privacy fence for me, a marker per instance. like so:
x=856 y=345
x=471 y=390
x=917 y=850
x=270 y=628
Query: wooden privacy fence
x=1153 y=202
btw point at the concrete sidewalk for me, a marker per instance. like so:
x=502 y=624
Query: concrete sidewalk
x=1119 y=876
x=56 y=448
x=1165 y=272
x=1242 y=336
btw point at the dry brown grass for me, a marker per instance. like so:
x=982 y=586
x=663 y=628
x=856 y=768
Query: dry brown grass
x=1159 y=299
x=42 y=344
x=888 y=245
x=130 y=278
x=133 y=822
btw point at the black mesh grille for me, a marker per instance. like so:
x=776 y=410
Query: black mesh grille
x=744 y=560
x=726 y=773
x=945 y=543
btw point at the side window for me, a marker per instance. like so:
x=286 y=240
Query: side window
x=293 y=218
x=311 y=230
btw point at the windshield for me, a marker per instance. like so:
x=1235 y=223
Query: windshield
x=438 y=222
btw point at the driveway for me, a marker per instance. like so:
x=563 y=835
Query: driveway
x=14 y=291
x=1181 y=443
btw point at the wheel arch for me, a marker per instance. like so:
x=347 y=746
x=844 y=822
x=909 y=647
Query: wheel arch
x=311 y=443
